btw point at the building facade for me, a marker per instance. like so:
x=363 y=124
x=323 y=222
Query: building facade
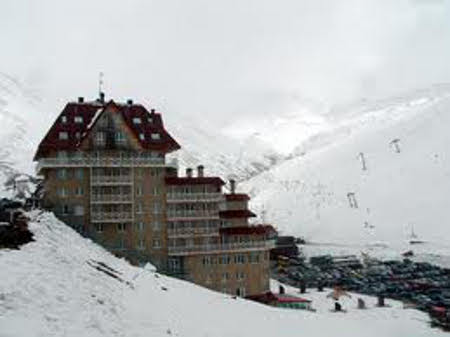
x=106 y=175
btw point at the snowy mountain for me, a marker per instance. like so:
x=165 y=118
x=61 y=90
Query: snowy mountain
x=64 y=285
x=378 y=175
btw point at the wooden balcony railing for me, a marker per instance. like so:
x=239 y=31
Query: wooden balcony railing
x=111 y=180
x=191 y=214
x=222 y=248
x=192 y=231
x=88 y=161
x=194 y=197
x=111 y=216
x=111 y=198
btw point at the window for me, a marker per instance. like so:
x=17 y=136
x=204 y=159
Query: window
x=64 y=119
x=141 y=244
x=140 y=226
x=141 y=136
x=156 y=208
x=63 y=135
x=139 y=207
x=100 y=138
x=119 y=137
x=155 y=136
x=79 y=173
x=99 y=228
x=225 y=276
x=65 y=209
x=62 y=174
x=156 y=225
x=225 y=259
x=121 y=243
x=79 y=191
x=254 y=258
x=150 y=120
x=206 y=260
x=240 y=275
x=155 y=190
x=136 y=120
x=121 y=227
x=156 y=243
x=78 y=119
x=79 y=210
x=77 y=135
x=174 y=264
x=139 y=190
x=62 y=192
x=240 y=292
x=62 y=154
x=239 y=258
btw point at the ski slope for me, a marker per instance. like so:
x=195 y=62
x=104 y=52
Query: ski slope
x=401 y=189
x=65 y=285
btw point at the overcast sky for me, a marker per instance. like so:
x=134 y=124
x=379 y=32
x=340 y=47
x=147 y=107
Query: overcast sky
x=224 y=58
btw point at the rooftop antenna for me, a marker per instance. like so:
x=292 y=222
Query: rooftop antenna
x=100 y=84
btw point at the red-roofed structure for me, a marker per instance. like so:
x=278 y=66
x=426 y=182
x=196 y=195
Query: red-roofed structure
x=105 y=174
x=150 y=123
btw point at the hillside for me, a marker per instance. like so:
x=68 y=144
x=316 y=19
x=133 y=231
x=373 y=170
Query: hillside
x=402 y=191
x=65 y=285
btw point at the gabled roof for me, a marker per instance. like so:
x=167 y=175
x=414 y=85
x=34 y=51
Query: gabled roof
x=194 y=181
x=91 y=111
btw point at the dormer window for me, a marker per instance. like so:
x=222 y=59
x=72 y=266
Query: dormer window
x=78 y=119
x=136 y=120
x=63 y=135
x=100 y=138
x=141 y=136
x=64 y=119
x=120 y=137
x=156 y=136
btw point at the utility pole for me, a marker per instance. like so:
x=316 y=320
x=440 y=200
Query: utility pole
x=362 y=159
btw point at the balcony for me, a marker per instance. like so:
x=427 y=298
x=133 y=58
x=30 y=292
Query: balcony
x=192 y=231
x=222 y=248
x=111 y=217
x=173 y=215
x=118 y=161
x=111 y=198
x=194 y=197
x=111 y=180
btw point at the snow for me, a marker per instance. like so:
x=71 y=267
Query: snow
x=398 y=194
x=53 y=287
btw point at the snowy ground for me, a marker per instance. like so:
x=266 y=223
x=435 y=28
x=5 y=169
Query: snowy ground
x=61 y=285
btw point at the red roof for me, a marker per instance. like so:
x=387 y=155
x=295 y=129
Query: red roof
x=194 y=181
x=289 y=299
x=150 y=123
x=269 y=297
x=247 y=230
x=237 y=197
x=244 y=213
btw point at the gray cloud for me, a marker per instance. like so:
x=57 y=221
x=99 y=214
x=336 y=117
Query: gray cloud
x=223 y=58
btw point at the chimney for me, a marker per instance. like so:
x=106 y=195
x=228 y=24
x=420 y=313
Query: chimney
x=102 y=97
x=130 y=102
x=152 y=111
x=200 y=171
x=80 y=99
x=232 y=186
x=189 y=172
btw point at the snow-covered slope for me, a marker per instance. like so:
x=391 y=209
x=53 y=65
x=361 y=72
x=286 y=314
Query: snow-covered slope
x=222 y=154
x=405 y=187
x=65 y=285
